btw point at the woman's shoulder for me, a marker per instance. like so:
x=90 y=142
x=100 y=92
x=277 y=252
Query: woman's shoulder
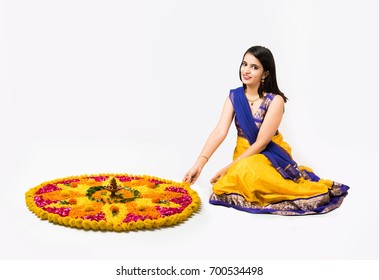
x=236 y=92
x=238 y=88
x=271 y=96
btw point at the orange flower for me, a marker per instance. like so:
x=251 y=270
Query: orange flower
x=82 y=210
x=144 y=210
x=141 y=182
x=61 y=195
x=156 y=197
x=114 y=208
x=72 y=201
x=101 y=194
x=55 y=195
x=125 y=193
x=156 y=200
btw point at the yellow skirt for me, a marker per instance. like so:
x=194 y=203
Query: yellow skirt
x=254 y=185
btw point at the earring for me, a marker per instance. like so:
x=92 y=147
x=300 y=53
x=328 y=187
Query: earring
x=261 y=88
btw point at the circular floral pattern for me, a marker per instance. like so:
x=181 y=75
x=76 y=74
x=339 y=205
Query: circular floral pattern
x=113 y=202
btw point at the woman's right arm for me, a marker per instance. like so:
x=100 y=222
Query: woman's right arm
x=214 y=140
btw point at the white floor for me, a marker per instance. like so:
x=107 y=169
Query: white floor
x=214 y=232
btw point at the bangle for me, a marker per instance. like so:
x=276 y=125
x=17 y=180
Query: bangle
x=207 y=158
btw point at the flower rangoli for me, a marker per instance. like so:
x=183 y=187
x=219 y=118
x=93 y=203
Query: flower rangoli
x=113 y=202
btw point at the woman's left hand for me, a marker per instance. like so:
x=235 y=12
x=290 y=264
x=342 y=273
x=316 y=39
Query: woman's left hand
x=219 y=174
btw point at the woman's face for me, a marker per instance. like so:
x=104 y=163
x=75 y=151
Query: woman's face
x=251 y=70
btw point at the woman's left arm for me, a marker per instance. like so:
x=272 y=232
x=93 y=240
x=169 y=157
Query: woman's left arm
x=268 y=129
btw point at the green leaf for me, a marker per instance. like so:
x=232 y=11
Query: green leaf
x=92 y=190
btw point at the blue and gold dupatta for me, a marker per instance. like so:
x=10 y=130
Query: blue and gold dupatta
x=279 y=158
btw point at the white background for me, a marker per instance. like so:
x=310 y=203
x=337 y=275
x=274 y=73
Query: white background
x=137 y=86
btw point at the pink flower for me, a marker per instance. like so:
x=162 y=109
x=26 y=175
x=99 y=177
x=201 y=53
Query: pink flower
x=126 y=178
x=48 y=188
x=132 y=217
x=98 y=217
x=40 y=202
x=176 y=189
x=99 y=178
x=67 y=182
x=60 y=211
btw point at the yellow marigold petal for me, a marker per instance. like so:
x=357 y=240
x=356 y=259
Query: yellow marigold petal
x=55 y=218
x=168 y=221
x=125 y=226
x=79 y=223
x=65 y=193
x=86 y=224
x=89 y=208
x=66 y=221
x=103 y=225
x=148 y=224
x=117 y=228
x=94 y=225
x=155 y=224
x=132 y=225
x=109 y=226
x=140 y=224
x=72 y=223
x=50 y=217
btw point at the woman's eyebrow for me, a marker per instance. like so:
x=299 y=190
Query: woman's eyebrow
x=253 y=64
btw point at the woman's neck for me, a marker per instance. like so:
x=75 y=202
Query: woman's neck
x=251 y=91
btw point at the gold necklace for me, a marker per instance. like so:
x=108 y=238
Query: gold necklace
x=252 y=101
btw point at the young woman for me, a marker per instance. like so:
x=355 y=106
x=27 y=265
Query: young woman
x=263 y=177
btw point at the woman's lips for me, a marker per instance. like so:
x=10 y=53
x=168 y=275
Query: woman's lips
x=246 y=77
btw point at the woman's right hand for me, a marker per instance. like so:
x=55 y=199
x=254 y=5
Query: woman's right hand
x=194 y=173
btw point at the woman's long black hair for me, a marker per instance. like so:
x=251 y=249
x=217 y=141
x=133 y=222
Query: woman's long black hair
x=266 y=58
